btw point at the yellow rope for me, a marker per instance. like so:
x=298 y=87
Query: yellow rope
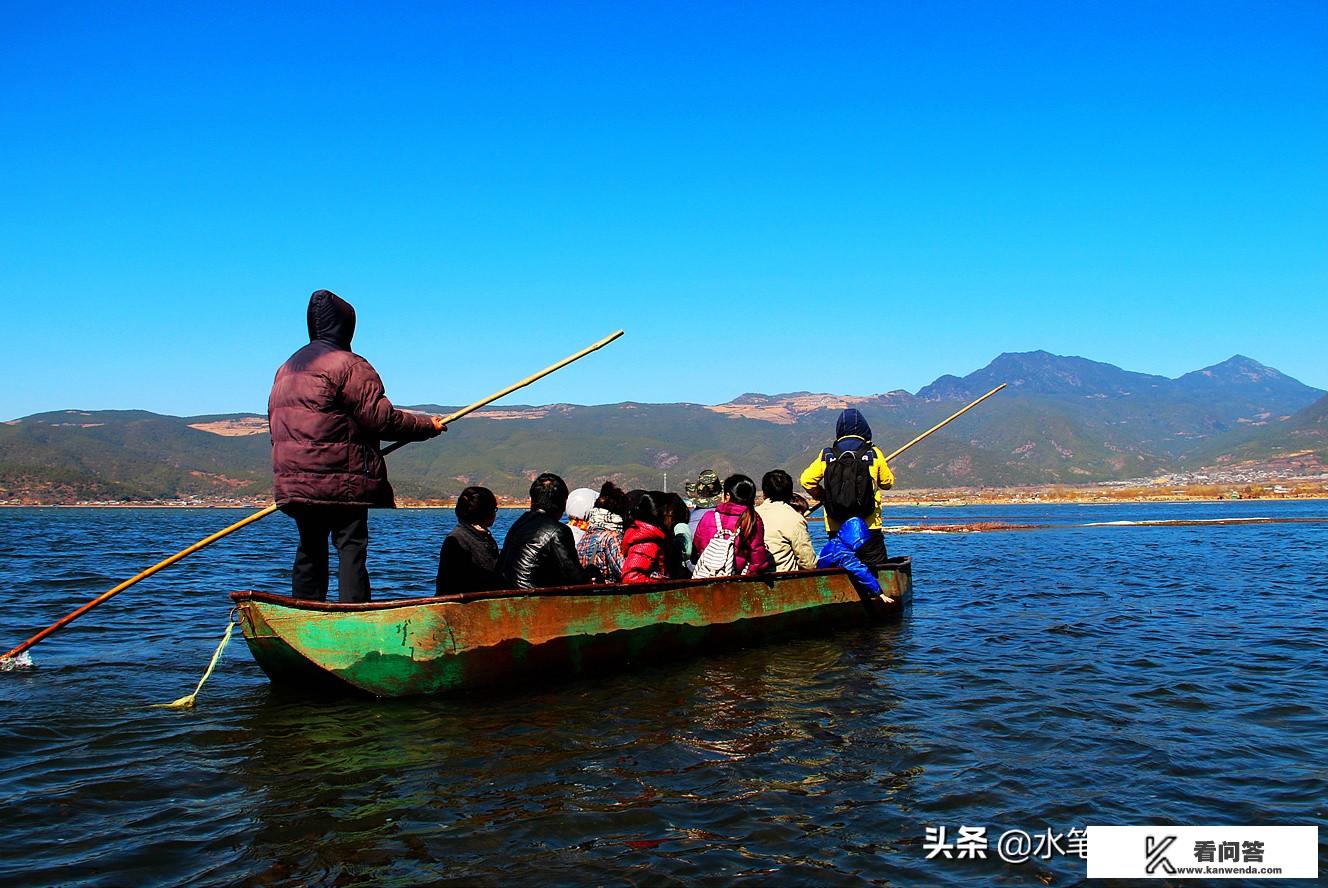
x=188 y=701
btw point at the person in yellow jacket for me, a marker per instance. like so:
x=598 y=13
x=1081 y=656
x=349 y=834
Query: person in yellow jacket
x=855 y=482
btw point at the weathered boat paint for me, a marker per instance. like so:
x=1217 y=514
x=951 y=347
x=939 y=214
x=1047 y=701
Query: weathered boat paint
x=459 y=642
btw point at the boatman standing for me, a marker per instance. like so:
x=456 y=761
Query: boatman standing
x=847 y=478
x=327 y=414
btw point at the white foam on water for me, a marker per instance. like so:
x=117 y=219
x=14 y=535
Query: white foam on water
x=911 y=528
x=16 y=664
x=1184 y=522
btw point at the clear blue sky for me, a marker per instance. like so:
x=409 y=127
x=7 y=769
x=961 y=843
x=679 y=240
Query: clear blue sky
x=835 y=197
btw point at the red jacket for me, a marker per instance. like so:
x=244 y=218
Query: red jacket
x=643 y=554
x=328 y=413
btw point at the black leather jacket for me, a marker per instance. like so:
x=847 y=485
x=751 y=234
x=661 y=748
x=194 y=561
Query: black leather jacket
x=539 y=552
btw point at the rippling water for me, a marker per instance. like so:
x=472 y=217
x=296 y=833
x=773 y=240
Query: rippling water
x=1048 y=678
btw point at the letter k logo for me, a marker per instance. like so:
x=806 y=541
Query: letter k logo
x=1154 y=849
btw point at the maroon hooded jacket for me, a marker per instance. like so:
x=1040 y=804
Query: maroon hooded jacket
x=328 y=413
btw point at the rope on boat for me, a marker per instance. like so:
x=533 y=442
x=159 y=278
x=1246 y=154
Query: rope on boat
x=187 y=702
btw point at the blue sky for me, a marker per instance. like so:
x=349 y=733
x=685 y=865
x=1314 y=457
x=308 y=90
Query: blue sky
x=833 y=197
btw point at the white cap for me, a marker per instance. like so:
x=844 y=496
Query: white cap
x=580 y=502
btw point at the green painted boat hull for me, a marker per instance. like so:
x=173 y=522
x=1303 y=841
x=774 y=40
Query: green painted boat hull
x=458 y=643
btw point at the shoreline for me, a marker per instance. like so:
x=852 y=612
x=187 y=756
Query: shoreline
x=890 y=502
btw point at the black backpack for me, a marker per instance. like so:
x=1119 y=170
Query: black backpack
x=848 y=485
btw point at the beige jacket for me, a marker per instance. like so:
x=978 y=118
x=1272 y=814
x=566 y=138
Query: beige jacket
x=786 y=537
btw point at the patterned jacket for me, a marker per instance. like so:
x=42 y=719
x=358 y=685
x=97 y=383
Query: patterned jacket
x=600 y=549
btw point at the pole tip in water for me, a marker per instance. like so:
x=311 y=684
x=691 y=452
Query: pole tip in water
x=21 y=663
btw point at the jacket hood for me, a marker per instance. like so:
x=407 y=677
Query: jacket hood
x=331 y=319
x=730 y=508
x=853 y=533
x=854 y=424
x=640 y=530
x=603 y=519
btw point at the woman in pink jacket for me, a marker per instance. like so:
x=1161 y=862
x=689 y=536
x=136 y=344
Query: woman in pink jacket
x=737 y=510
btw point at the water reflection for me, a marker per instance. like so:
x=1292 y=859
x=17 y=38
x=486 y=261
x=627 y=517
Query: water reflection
x=685 y=760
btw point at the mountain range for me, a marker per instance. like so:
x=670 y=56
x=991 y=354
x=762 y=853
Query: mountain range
x=1061 y=420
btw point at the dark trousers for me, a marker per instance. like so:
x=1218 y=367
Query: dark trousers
x=872 y=552
x=348 y=528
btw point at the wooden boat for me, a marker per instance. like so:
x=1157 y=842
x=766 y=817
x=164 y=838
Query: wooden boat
x=461 y=642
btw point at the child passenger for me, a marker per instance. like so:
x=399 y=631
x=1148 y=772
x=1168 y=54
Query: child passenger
x=468 y=561
x=842 y=551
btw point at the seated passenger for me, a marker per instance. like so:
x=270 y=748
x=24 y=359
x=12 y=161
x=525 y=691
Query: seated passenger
x=538 y=551
x=800 y=505
x=786 y=536
x=842 y=551
x=579 y=504
x=468 y=560
x=676 y=517
x=644 y=543
x=600 y=550
x=730 y=541
x=703 y=493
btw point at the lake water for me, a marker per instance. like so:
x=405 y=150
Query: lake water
x=1043 y=679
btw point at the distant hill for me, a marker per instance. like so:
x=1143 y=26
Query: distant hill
x=1042 y=373
x=1163 y=420
x=1062 y=419
x=1302 y=436
x=126 y=455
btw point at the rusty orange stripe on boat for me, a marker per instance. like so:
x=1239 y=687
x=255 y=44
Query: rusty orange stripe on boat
x=410 y=646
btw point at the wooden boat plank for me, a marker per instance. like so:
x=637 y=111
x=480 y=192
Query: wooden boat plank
x=432 y=645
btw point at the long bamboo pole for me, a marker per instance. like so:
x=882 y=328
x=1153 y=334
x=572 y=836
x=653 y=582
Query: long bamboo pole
x=940 y=425
x=945 y=422
x=142 y=575
x=268 y=510
x=484 y=402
